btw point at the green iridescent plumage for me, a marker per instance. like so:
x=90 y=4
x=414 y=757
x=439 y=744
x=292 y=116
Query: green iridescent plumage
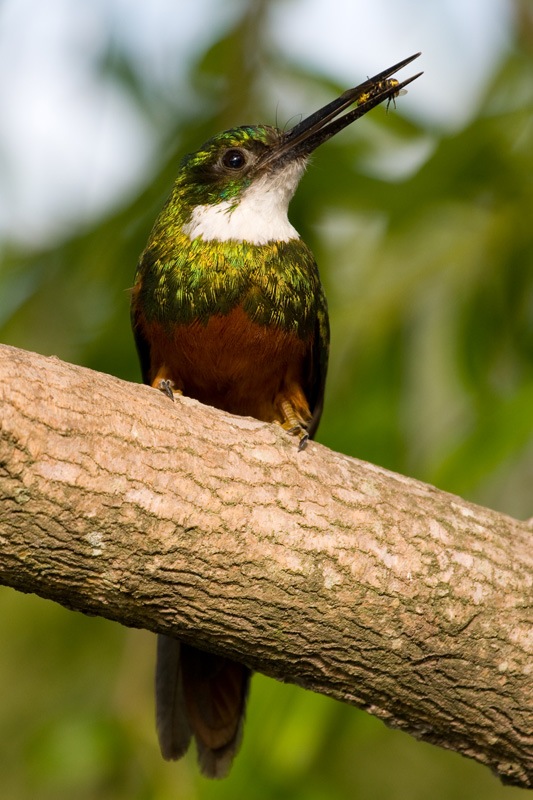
x=277 y=284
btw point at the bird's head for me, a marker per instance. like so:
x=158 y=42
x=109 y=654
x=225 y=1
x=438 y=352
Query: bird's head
x=239 y=183
x=226 y=165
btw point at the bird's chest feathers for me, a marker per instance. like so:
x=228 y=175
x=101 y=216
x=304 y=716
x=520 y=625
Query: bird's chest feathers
x=276 y=284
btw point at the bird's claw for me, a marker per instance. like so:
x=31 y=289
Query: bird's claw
x=165 y=386
x=304 y=438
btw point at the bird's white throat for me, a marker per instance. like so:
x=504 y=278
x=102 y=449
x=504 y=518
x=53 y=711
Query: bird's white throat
x=258 y=217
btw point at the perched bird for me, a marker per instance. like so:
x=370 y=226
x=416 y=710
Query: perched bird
x=228 y=308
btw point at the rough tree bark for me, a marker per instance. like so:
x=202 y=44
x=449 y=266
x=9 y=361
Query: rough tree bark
x=310 y=566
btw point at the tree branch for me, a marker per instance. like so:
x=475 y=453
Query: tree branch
x=310 y=566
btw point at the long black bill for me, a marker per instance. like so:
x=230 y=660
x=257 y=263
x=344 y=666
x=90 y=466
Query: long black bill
x=311 y=132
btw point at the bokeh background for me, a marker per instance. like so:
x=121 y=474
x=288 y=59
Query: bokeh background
x=421 y=221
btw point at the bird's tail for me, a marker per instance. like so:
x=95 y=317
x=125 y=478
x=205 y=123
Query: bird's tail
x=202 y=695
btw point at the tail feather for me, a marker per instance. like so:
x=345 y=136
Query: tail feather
x=217 y=763
x=173 y=728
x=215 y=695
x=203 y=695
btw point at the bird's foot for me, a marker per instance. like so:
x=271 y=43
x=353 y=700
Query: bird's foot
x=294 y=425
x=167 y=387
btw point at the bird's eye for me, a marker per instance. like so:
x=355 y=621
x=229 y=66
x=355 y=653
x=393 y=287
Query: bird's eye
x=233 y=159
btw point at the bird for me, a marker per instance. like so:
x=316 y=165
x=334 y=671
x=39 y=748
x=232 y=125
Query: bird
x=228 y=308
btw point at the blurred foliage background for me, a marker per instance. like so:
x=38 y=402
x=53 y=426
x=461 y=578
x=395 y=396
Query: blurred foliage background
x=429 y=275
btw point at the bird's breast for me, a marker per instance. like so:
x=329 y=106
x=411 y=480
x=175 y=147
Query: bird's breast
x=228 y=361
